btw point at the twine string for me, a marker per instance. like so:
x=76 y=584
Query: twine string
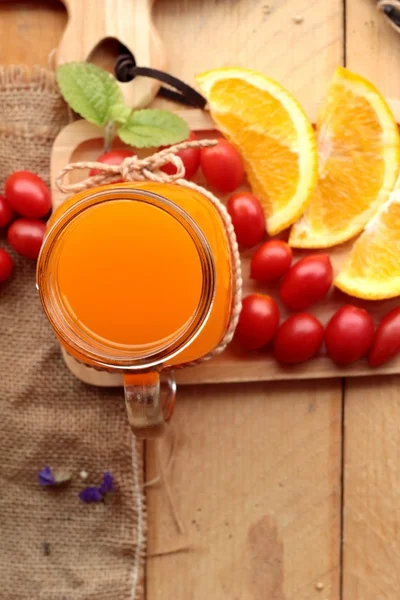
x=134 y=168
x=131 y=169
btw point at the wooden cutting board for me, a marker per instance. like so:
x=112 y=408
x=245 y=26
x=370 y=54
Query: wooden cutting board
x=83 y=141
x=129 y=22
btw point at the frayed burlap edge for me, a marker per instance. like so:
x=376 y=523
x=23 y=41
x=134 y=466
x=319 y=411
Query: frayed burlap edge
x=140 y=557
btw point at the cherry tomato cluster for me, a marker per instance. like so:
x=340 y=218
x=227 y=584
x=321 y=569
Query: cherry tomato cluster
x=348 y=336
x=25 y=202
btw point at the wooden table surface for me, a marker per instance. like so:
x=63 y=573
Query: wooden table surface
x=285 y=491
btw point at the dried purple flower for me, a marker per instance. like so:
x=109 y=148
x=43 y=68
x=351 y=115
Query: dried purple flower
x=101 y=493
x=46 y=476
x=107 y=485
x=91 y=494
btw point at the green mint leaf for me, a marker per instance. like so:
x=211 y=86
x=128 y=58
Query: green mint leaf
x=151 y=127
x=90 y=91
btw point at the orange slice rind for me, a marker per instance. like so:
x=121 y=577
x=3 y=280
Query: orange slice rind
x=359 y=157
x=273 y=135
x=372 y=271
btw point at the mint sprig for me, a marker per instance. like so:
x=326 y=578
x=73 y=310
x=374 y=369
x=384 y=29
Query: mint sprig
x=90 y=91
x=94 y=94
x=144 y=126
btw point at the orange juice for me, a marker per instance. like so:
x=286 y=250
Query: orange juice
x=137 y=274
x=119 y=284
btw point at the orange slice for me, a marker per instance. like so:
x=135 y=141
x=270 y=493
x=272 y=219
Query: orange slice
x=372 y=270
x=359 y=155
x=273 y=135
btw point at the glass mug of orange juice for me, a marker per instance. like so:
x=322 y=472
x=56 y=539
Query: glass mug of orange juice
x=136 y=278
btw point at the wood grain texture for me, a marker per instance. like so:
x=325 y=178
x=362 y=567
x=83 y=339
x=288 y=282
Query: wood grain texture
x=255 y=478
x=265 y=35
x=371 y=543
x=371 y=549
x=30 y=31
x=372 y=46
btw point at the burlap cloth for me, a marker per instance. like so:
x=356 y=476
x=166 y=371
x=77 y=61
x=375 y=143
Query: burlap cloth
x=53 y=546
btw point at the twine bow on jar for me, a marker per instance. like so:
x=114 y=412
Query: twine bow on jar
x=133 y=169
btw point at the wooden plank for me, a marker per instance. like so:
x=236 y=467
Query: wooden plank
x=371 y=545
x=30 y=31
x=371 y=551
x=299 y=43
x=255 y=479
x=256 y=471
x=372 y=47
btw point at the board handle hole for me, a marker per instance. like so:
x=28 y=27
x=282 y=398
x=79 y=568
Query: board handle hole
x=108 y=52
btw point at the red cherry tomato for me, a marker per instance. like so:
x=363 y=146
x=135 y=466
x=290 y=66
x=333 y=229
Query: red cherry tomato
x=349 y=334
x=6 y=214
x=247 y=218
x=298 y=339
x=307 y=281
x=6 y=265
x=113 y=157
x=271 y=261
x=258 y=321
x=222 y=166
x=190 y=158
x=26 y=237
x=386 y=344
x=27 y=194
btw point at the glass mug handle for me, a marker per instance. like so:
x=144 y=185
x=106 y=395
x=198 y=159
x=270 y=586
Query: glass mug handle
x=149 y=402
